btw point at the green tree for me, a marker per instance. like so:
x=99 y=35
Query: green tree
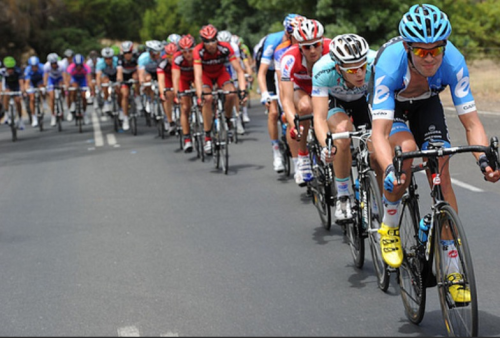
x=162 y=20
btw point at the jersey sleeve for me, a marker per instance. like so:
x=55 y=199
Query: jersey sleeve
x=322 y=73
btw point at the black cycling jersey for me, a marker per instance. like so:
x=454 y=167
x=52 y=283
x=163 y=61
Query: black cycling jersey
x=129 y=66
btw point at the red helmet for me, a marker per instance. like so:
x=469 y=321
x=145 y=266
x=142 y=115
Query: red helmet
x=171 y=48
x=186 y=42
x=208 y=32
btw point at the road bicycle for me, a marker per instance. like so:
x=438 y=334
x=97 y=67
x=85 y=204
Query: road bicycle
x=424 y=260
x=322 y=187
x=12 y=113
x=115 y=106
x=157 y=114
x=26 y=101
x=176 y=118
x=367 y=206
x=220 y=133
x=39 y=111
x=282 y=130
x=132 y=108
x=196 y=124
x=79 y=113
x=58 y=105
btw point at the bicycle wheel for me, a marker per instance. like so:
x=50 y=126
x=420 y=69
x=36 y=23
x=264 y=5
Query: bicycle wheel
x=133 y=117
x=320 y=190
x=410 y=273
x=373 y=217
x=116 y=121
x=13 y=127
x=356 y=240
x=216 y=140
x=59 y=114
x=39 y=115
x=461 y=319
x=224 y=146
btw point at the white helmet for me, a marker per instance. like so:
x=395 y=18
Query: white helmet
x=224 y=36
x=348 y=48
x=308 y=29
x=154 y=46
x=107 y=52
x=52 y=58
x=173 y=38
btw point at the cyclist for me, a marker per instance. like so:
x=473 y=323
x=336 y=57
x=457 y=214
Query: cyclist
x=410 y=72
x=79 y=76
x=267 y=85
x=126 y=69
x=52 y=76
x=164 y=73
x=340 y=83
x=247 y=65
x=147 y=64
x=106 y=70
x=225 y=36
x=33 y=78
x=209 y=58
x=278 y=53
x=12 y=80
x=182 y=80
x=65 y=62
x=296 y=85
x=92 y=62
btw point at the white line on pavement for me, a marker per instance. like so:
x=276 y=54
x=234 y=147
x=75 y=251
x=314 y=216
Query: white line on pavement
x=99 y=142
x=111 y=139
x=461 y=184
x=128 y=331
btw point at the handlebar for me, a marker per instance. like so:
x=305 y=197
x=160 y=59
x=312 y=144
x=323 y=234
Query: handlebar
x=437 y=150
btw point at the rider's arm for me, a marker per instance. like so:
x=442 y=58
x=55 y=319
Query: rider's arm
x=261 y=78
x=320 y=111
x=176 y=76
x=381 y=128
x=119 y=74
x=198 y=82
x=161 y=84
x=241 y=74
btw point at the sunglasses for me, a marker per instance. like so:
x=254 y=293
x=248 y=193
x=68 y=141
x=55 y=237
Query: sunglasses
x=308 y=46
x=354 y=70
x=423 y=52
x=208 y=42
x=187 y=50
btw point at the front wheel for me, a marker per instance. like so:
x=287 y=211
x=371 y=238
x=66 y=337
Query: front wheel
x=411 y=271
x=460 y=315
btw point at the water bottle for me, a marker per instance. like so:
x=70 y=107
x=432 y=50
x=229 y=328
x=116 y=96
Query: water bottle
x=424 y=225
x=356 y=188
x=283 y=129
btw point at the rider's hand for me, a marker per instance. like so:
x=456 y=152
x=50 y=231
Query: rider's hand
x=487 y=170
x=162 y=96
x=294 y=134
x=327 y=156
x=200 y=101
x=176 y=99
x=390 y=178
x=264 y=97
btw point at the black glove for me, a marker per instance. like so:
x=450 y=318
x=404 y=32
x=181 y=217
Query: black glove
x=242 y=94
x=483 y=163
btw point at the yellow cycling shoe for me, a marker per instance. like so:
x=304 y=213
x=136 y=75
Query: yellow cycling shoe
x=390 y=245
x=459 y=292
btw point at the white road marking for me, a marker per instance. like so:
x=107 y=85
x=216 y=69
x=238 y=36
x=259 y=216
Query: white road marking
x=111 y=139
x=170 y=334
x=128 y=331
x=99 y=141
x=461 y=184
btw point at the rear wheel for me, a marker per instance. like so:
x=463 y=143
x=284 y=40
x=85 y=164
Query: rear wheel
x=320 y=191
x=133 y=117
x=13 y=126
x=461 y=318
x=39 y=115
x=374 y=219
x=224 y=148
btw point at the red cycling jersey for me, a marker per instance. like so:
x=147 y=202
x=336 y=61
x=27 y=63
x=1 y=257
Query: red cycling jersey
x=294 y=67
x=213 y=64
x=186 y=69
x=165 y=67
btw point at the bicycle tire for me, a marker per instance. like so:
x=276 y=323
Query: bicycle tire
x=216 y=144
x=374 y=213
x=319 y=192
x=116 y=121
x=410 y=273
x=225 y=152
x=356 y=240
x=28 y=109
x=40 y=118
x=13 y=126
x=59 y=114
x=461 y=319
x=133 y=116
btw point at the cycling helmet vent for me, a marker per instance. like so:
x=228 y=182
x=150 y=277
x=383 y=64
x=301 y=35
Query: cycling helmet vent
x=424 y=24
x=107 y=52
x=224 y=36
x=171 y=48
x=348 y=48
x=78 y=59
x=186 y=42
x=308 y=29
x=208 y=32
x=127 y=46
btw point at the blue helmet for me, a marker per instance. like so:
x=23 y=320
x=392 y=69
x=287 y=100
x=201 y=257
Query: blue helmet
x=34 y=61
x=78 y=59
x=287 y=22
x=424 y=24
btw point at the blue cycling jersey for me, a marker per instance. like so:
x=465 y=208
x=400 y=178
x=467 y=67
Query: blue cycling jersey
x=272 y=41
x=392 y=76
x=34 y=76
x=101 y=63
x=327 y=81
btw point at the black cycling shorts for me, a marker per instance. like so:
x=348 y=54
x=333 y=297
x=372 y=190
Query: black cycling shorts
x=357 y=110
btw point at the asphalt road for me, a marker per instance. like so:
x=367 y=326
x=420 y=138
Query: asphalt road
x=110 y=234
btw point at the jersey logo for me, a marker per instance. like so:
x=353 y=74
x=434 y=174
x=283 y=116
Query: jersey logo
x=462 y=87
x=268 y=52
x=287 y=63
x=381 y=91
